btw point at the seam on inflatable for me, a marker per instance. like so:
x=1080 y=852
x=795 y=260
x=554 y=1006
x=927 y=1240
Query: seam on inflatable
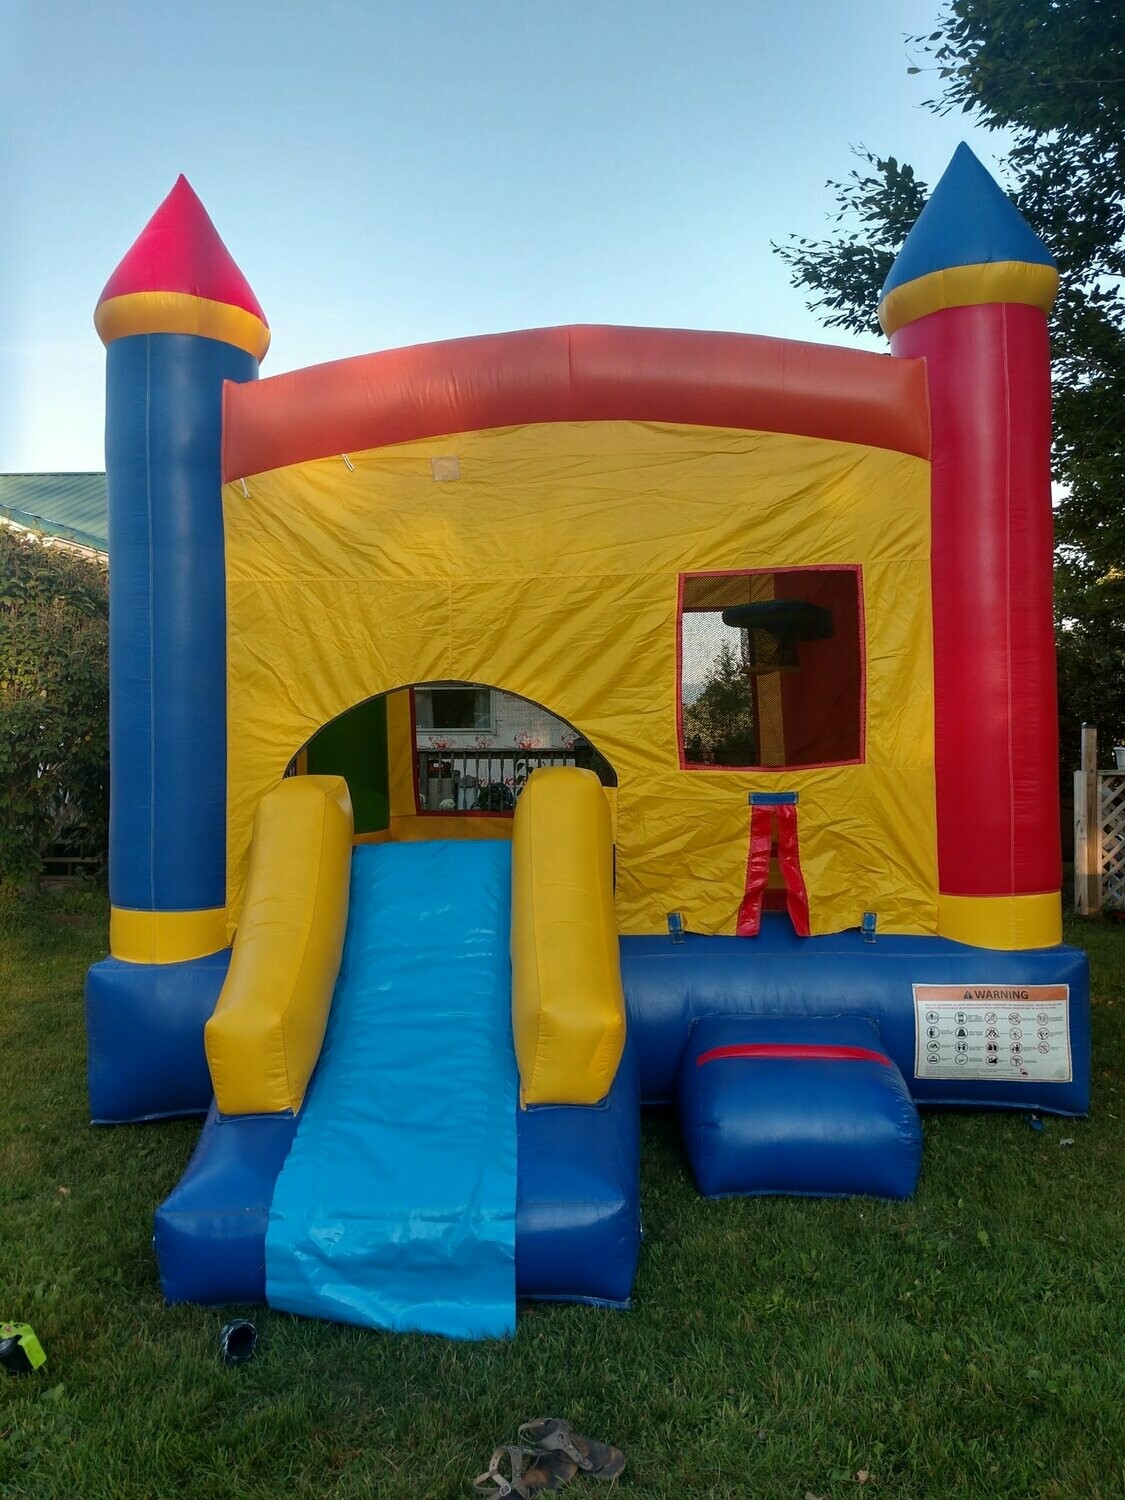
x=1003 y=896
x=927 y=394
x=151 y=644
x=1007 y=374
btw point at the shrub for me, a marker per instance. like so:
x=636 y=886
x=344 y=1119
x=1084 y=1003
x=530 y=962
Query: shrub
x=54 y=705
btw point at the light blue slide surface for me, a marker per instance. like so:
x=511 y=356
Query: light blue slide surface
x=396 y=1207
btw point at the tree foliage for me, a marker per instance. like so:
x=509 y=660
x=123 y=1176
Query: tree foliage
x=719 y=725
x=1053 y=75
x=54 y=701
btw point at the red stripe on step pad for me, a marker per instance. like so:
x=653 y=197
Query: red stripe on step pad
x=795 y=1050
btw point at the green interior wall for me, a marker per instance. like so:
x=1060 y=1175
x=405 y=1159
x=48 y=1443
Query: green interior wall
x=354 y=746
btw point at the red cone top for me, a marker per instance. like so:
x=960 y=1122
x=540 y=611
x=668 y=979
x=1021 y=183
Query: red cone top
x=179 y=250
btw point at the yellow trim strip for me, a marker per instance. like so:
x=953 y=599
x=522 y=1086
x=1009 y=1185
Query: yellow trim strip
x=166 y=937
x=1002 y=921
x=969 y=286
x=181 y=312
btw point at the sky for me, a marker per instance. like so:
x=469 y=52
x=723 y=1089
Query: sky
x=390 y=172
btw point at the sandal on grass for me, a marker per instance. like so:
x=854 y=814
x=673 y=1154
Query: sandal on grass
x=547 y=1471
x=554 y=1435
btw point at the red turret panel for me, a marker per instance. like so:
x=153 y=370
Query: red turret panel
x=994 y=650
x=179 y=250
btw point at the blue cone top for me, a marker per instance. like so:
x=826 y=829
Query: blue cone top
x=969 y=221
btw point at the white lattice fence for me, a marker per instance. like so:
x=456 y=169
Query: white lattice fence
x=1111 y=808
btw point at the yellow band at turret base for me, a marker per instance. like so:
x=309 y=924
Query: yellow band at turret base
x=969 y=286
x=166 y=937
x=181 y=312
x=1009 y=922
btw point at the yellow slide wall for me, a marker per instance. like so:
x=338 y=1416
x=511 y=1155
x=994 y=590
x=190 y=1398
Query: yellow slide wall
x=568 y=1007
x=265 y=1035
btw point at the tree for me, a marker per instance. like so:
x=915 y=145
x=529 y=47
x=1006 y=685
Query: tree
x=54 y=698
x=1054 y=76
x=719 y=725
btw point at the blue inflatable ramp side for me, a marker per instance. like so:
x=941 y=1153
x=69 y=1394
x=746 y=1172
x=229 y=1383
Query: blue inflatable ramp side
x=396 y=1205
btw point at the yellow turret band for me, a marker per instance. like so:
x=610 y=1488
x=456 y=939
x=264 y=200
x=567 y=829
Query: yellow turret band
x=969 y=286
x=181 y=312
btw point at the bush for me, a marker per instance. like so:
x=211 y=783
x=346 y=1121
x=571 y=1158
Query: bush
x=54 y=705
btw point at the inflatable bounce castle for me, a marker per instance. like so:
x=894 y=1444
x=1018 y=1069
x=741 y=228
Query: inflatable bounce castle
x=796 y=603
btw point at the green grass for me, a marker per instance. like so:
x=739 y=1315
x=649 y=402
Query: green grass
x=968 y=1343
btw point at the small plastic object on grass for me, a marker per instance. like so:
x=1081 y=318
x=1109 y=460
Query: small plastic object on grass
x=237 y=1341
x=20 y=1350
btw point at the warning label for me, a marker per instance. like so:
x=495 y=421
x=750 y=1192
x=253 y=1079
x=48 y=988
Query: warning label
x=1017 y=1032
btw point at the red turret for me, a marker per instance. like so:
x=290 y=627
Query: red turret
x=970 y=292
x=179 y=277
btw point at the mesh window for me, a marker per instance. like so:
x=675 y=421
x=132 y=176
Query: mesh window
x=771 y=668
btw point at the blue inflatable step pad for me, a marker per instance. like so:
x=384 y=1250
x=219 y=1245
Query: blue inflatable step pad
x=802 y=1106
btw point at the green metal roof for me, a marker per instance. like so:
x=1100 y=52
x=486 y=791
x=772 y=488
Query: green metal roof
x=69 y=506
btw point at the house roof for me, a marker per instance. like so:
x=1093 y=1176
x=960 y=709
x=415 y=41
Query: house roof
x=71 y=507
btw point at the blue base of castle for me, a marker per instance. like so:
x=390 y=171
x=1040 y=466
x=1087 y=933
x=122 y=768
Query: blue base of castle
x=145 y=1021
x=668 y=985
x=144 y=1030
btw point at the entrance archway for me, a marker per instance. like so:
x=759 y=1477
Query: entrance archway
x=443 y=759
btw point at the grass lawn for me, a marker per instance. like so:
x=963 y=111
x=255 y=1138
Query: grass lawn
x=969 y=1343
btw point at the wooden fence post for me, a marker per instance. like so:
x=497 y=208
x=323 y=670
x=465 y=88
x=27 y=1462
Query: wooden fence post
x=1087 y=828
